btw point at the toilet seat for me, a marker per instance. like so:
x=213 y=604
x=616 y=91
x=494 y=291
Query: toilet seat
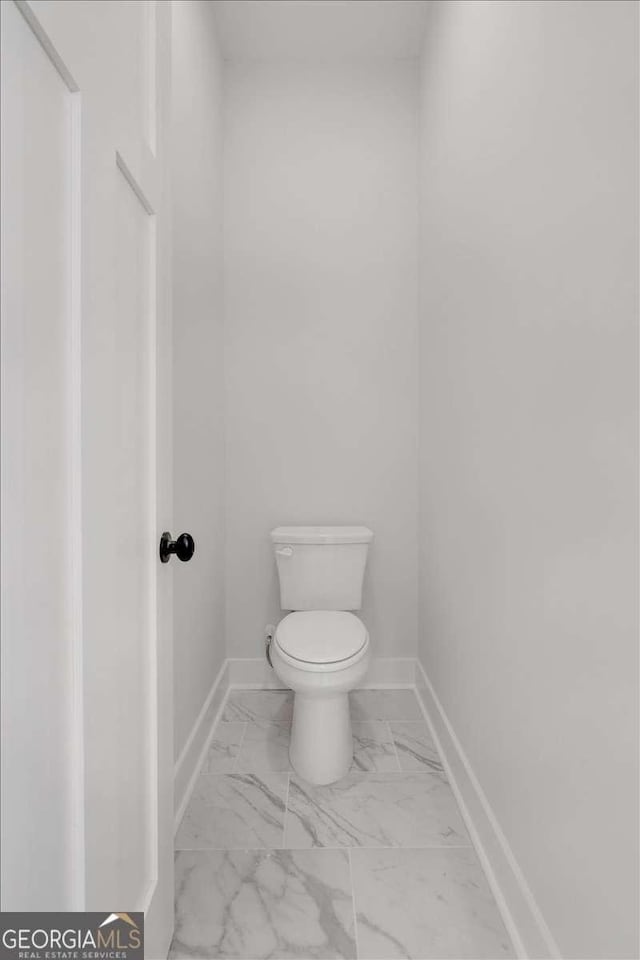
x=318 y=637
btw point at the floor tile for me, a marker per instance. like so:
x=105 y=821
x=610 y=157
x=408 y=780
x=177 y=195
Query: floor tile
x=374 y=810
x=373 y=747
x=230 y=811
x=252 y=904
x=425 y=904
x=223 y=749
x=415 y=747
x=259 y=705
x=384 y=705
x=265 y=747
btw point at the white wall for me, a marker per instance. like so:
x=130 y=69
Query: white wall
x=321 y=328
x=198 y=358
x=529 y=437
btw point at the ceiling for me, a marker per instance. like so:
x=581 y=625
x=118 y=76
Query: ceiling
x=320 y=29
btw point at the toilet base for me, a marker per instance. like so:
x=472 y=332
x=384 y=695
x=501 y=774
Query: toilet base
x=321 y=748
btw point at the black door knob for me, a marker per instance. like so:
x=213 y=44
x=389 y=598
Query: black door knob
x=184 y=547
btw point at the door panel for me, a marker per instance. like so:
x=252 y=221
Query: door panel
x=135 y=320
x=122 y=739
x=86 y=636
x=40 y=177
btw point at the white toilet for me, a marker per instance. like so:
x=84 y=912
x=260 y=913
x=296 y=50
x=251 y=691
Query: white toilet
x=320 y=650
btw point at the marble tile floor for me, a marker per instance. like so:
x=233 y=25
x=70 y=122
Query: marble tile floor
x=375 y=867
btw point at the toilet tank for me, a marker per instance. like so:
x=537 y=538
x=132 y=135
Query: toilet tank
x=321 y=568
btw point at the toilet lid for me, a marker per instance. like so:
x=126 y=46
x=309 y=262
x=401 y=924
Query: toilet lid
x=321 y=636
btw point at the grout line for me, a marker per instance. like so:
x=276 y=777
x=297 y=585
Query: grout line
x=395 y=749
x=240 y=746
x=364 y=774
x=353 y=903
x=286 y=811
x=434 y=846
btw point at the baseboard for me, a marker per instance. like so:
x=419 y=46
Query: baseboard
x=187 y=766
x=522 y=917
x=383 y=672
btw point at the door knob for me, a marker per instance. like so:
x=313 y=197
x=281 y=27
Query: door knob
x=184 y=547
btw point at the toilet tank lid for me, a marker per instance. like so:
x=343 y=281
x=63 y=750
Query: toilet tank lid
x=321 y=535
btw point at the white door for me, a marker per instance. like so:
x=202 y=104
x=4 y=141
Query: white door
x=86 y=605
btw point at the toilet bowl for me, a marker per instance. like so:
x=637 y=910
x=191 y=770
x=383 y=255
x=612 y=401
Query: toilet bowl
x=321 y=650
x=321 y=655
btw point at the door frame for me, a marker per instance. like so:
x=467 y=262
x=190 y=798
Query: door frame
x=138 y=167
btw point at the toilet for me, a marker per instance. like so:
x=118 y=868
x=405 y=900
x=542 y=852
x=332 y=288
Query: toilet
x=321 y=649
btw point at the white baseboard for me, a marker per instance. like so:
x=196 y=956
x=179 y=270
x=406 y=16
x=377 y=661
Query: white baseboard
x=187 y=766
x=522 y=917
x=383 y=672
